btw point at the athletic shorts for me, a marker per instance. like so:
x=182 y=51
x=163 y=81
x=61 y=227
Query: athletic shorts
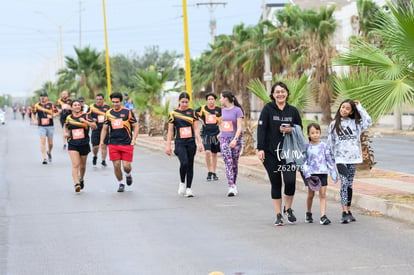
x=322 y=177
x=46 y=131
x=121 y=152
x=83 y=150
x=96 y=138
x=211 y=143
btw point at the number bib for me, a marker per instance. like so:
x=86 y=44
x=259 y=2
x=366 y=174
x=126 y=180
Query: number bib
x=117 y=123
x=185 y=132
x=44 y=121
x=227 y=126
x=101 y=118
x=78 y=133
x=211 y=119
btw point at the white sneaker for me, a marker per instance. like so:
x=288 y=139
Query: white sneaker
x=232 y=191
x=189 y=193
x=181 y=188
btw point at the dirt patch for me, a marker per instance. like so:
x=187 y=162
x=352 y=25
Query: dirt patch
x=400 y=198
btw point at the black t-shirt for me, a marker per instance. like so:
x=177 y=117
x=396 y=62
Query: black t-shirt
x=120 y=126
x=183 y=121
x=79 y=131
x=43 y=110
x=211 y=119
x=97 y=113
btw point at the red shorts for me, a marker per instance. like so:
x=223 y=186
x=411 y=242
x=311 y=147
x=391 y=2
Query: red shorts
x=121 y=152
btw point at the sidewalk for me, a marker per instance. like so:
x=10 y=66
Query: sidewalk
x=381 y=193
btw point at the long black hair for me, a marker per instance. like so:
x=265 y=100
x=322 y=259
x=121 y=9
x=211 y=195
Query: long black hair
x=232 y=99
x=355 y=115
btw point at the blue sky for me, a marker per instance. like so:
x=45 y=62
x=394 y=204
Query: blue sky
x=29 y=31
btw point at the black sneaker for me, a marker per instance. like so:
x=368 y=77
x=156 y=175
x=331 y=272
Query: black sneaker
x=324 y=220
x=279 y=220
x=121 y=188
x=49 y=156
x=290 y=217
x=82 y=183
x=209 y=176
x=352 y=218
x=103 y=163
x=215 y=176
x=44 y=161
x=94 y=159
x=345 y=218
x=309 y=218
x=128 y=180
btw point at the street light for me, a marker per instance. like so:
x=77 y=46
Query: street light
x=59 y=26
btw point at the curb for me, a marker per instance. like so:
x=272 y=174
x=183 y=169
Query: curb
x=370 y=204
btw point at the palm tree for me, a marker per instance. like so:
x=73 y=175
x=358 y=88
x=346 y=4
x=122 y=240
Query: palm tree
x=85 y=72
x=390 y=64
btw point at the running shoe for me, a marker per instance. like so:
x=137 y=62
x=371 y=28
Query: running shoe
x=232 y=191
x=82 y=183
x=128 y=180
x=352 y=218
x=345 y=218
x=44 y=161
x=121 y=188
x=215 y=176
x=309 y=218
x=77 y=187
x=49 y=156
x=324 y=220
x=181 y=188
x=94 y=159
x=189 y=193
x=279 y=220
x=290 y=217
x=103 y=163
x=209 y=176
x=64 y=146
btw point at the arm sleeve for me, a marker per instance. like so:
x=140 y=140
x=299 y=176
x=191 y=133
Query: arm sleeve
x=261 y=129
x=366 y=120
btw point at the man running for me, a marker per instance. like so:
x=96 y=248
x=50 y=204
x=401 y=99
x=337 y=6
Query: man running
x=45 y=111
x=63 y=105
x=210 y=116
x=97 y=113
x=123 y=131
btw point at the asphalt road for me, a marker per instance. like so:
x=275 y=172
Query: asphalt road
x=45 y=228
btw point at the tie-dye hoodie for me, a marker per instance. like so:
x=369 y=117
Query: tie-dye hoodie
x=346 y=147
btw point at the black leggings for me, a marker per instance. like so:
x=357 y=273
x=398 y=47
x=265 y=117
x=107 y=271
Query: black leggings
x=186 y=153
x=274 y=169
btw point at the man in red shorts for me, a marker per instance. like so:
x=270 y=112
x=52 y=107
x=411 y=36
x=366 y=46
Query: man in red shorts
x=123 y=131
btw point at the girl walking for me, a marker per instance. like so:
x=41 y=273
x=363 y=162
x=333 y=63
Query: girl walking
x=318 y=163
x=231 y=138
x=183 y=123
x=351 y=120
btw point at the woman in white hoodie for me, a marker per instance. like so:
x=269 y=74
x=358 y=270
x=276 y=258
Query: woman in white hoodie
x=351 y=120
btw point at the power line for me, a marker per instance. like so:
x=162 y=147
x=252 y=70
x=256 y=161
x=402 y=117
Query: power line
x=213 y=24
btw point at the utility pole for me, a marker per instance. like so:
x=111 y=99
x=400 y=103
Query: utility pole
x=213 y=24
x=80 y=24
x=211 y=5
x=267 y=76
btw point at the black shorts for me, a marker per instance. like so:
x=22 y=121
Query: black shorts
x=96 y=138
x=322 y=177
x=211 y=143
x=83 y=149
